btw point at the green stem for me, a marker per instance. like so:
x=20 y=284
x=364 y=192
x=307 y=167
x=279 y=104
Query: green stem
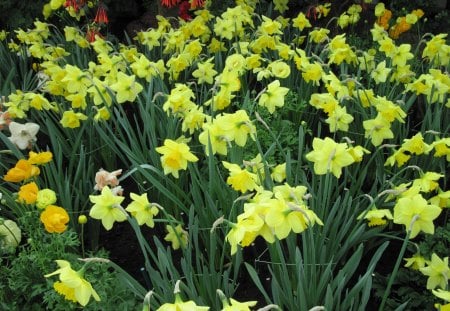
x=82 y=240
x=394 y=272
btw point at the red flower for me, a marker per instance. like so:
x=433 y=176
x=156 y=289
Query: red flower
x=169 y=3
x=91 y=33
x=71 y=3
x=101 y=17
x=75 y=4
x=197 y=4
x=184 y=11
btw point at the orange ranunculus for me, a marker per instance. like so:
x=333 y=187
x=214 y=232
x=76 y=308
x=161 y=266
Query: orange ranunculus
x=399 y=28
x=384 y=19
x=28 y=193
x=40 y=157
x=22 y=171
x=55 y=219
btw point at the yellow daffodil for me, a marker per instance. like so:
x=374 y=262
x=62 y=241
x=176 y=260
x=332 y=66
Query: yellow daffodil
x=329 y=156
x=234 y=305
x=301 y=22
x=273 y=96
x=377 y=217
x=107 y=208
x=415 y=262
x=175 y=156
x=71 y=119
x=278 y=173
x=72 y=285
x=205 y=72
x=180 y=305
x=378 y=129
x=126 y=88
x=380 y=73
x=319 y=35
x=416 y=145
x=339 y=119
x=438 y=272
x=141 y=209
x=399 y=157
x=177 y=236
x=428 y=181
x=240 y=179
x=416 y=214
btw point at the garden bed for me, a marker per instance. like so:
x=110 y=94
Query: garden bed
x=236 y=158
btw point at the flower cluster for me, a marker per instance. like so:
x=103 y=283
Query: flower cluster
x=26 y=171
x=402 y=24
x=78 y=9
x=272 y=214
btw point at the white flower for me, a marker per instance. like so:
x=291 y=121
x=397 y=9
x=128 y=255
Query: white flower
x=23 y=134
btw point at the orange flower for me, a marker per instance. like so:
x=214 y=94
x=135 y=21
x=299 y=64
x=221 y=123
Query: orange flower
x=384 y=19
x=22 y=171
x=28 y=193
x=91 y=33
x=169 y=3
x=5 y=119
x=39 y=158
x=104 y=178
x=399 y=28
x=196 y=4
x=55 y=219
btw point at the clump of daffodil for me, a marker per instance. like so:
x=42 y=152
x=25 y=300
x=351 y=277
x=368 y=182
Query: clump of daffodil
x=226 y=128
x=272 y=214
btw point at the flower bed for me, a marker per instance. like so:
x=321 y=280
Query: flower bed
x=244 y=156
